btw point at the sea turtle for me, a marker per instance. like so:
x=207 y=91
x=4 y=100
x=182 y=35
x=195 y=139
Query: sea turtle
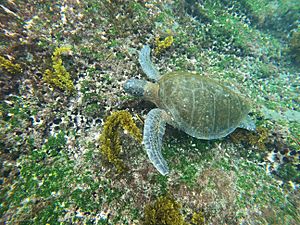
x=195 y=104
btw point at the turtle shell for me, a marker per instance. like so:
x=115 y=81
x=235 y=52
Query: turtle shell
x=200 y=106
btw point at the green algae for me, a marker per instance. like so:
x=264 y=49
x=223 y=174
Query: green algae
x=42 y=175
x=247 y=178
x=295 y=45
x=52 y=186
x=229 y=45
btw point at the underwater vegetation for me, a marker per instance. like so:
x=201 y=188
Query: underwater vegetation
x=223 y=28
x=52 y=186
x=110 y=137
x=198 y=219
x=53 y=167
x=165 y=211
x=123 y=16
x=9 y=72
x=59 y=77
x=282 y=159
x=15 y=121
x=295 y=45
x=259 y=138
x=41 y=178
x=8 y=66
x=162 y=44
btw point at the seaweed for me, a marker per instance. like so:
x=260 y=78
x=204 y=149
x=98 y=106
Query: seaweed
x=198 y=218
x=295 y=46
x=9 y=67
x=165 y=211
x=161 y=45
x=110 y=137
x=258 y=139
x=59 y=76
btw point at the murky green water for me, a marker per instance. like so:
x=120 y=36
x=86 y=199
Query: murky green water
x=71 y=138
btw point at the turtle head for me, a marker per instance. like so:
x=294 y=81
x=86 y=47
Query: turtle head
x=135 y=87
x=141 y=88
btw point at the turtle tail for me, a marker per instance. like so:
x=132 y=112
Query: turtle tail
x=146 y=64
x=154 y=130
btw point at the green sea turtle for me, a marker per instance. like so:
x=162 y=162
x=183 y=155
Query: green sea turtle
x=190 y=102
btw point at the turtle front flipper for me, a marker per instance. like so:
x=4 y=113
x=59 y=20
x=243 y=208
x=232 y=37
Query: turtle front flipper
x=146 y=64
x=154 y=130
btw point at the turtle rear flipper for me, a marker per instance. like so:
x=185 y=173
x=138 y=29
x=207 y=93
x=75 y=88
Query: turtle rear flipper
x=146 y=64
x=248 y=124
x=154 y=130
